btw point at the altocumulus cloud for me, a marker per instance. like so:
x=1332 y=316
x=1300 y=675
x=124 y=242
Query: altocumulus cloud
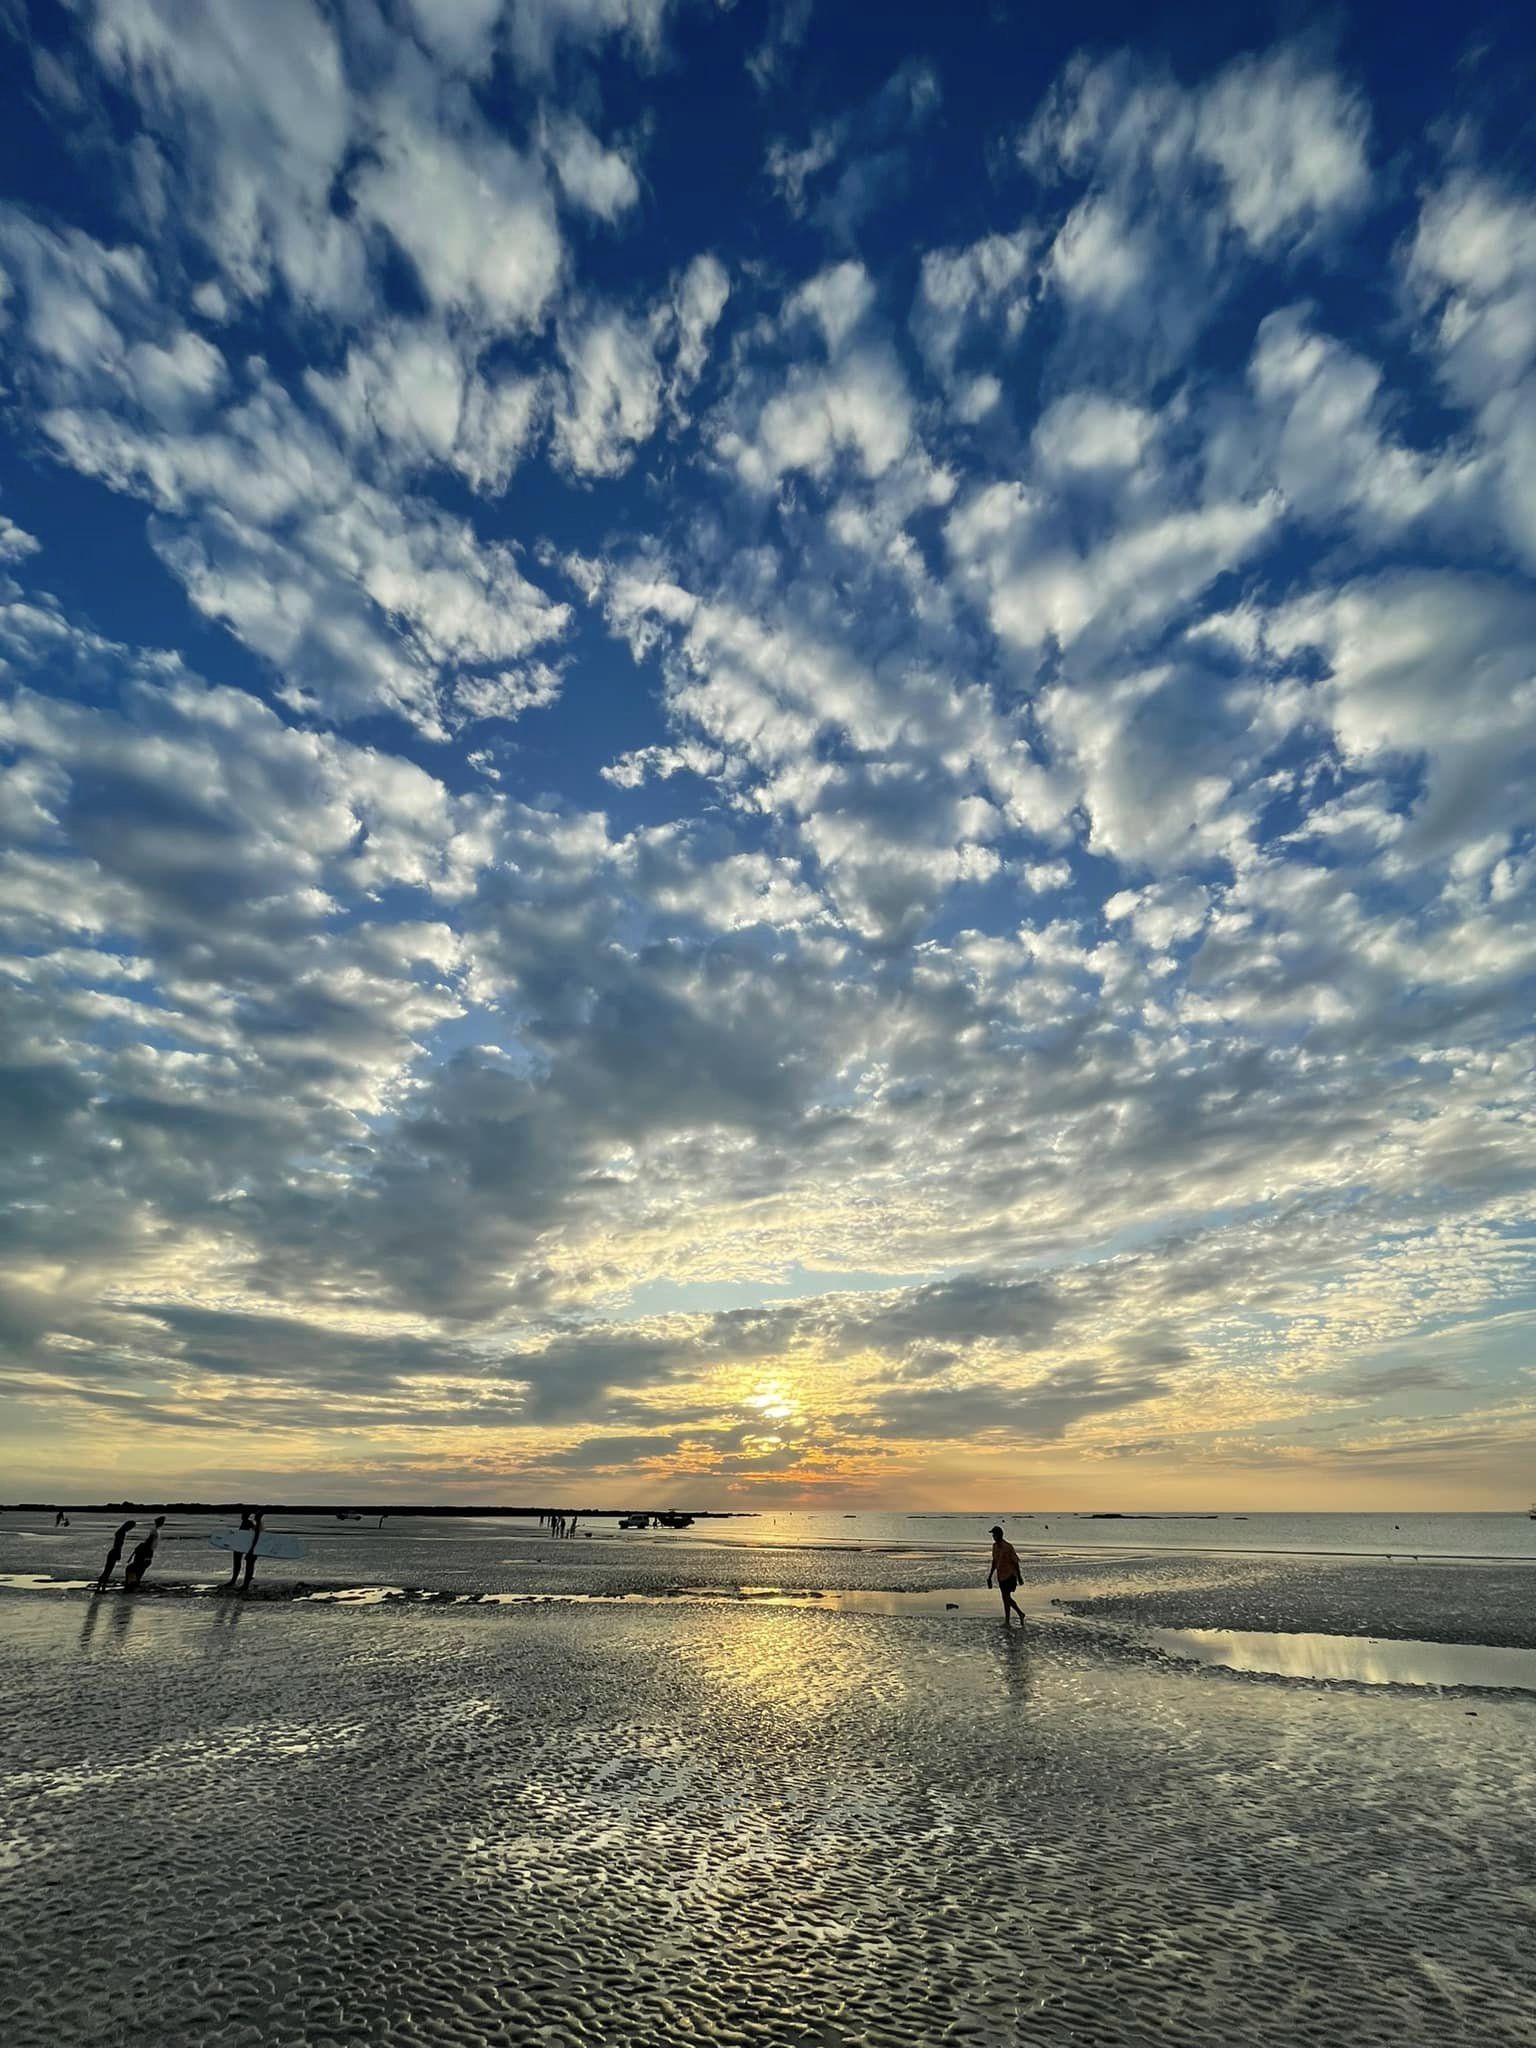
x=756 y=845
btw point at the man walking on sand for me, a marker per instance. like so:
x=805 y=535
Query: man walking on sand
x=1005 y=1565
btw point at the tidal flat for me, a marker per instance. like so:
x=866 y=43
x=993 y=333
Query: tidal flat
x=731 y=1821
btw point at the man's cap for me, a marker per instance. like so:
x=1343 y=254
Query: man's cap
x=997 y=1532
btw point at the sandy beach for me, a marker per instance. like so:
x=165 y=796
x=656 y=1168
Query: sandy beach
x=776 y=1818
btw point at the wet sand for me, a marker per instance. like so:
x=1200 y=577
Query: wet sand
x=733 y=1821
x=1446 y=1603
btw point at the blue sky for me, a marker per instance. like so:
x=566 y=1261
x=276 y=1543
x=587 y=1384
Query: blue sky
x=767 y=753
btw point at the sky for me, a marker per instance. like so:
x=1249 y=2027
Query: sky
x=767 y=756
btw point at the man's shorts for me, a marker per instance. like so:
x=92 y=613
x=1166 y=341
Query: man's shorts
x=1008 y=1585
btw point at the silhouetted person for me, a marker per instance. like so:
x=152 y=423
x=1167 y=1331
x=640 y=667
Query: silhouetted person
x=60 y=1516
x=1005 y=1564
x=238 y=1558
x=143 y=1552
x=113 y=1555
x=250 y=1555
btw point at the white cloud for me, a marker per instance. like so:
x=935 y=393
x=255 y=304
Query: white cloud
x=961 y=290
x=15 y=542
x=858 y=407
x=837 y=299
x=1322 y=435
x=1036 y=587
x=791 y=170
x=599 y=179
x=538 y=28
x=1472 y=270
x=1290 y=141
x=413 y=397
x=1429 y=664
x=461 y=33
x=1284 y=139
x=697 y=304
x=612 y=398
x=1045 y=875
x=1089 y=432
x=1099 y=259
x=258 y=111
x=472 y=213
x=508 y=695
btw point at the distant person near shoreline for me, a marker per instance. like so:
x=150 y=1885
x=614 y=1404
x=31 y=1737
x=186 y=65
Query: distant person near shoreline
x=1008 y=1571
x=113 y=1555
x=143 y=1556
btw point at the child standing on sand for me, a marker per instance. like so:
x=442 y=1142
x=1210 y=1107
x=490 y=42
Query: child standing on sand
x=1008 y=1570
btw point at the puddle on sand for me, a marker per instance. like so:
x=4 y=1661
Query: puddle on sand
x=359 y=1596
x=1363 y=1660
x=39 y=1582
x=961 y=1600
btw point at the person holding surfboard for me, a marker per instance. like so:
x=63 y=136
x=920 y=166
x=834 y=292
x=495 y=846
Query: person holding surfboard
x=253 y=1523
x=238 y=1558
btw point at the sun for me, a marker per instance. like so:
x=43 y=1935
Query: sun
x=774 y=1402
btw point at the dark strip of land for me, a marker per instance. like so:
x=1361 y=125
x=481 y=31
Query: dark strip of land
x=348 y=1509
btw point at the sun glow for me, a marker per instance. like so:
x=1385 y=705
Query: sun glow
x=774 y=1402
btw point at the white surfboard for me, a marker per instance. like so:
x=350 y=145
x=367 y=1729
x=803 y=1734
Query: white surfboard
x=273 y=1543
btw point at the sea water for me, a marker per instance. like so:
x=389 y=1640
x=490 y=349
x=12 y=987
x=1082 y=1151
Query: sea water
x=1503 y=1536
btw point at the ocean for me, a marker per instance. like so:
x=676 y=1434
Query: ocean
x=1503 y=1536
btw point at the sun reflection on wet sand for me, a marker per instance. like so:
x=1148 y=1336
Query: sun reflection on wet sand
x=1361 y=1660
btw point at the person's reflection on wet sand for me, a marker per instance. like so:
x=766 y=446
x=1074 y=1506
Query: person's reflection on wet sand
x=1017 y=1665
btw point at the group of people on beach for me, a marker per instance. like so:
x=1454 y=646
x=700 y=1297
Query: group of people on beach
x=140 y=1560
x=1005 y=1566
x=242 y=1566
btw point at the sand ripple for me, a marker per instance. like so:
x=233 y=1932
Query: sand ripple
x=656 y=1826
